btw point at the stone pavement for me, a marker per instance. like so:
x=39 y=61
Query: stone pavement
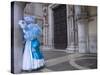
x=62 y=61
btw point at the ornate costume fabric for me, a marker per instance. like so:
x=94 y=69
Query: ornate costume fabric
x=32 y=56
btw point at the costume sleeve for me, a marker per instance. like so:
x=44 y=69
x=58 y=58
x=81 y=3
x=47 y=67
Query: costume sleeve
x=36 y=31
x=28 y=35
x=40 y=29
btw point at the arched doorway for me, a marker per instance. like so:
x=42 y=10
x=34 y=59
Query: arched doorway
x=60 y=27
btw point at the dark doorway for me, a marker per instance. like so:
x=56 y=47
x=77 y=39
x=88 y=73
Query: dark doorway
x=60 y=27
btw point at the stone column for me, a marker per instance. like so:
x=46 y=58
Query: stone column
x=45 y=26
x=17 y=37
x=50 y=22
x=71 y=29
x=82 y=22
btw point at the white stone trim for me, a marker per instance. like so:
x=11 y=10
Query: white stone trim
x=51 y=28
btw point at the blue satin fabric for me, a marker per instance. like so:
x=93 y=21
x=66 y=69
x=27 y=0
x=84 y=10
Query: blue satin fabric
x=35 y=44
x=32 y=33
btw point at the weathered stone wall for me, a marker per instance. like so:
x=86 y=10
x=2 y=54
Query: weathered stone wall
x=92 y=24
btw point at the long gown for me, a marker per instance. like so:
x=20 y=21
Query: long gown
x=32 y=56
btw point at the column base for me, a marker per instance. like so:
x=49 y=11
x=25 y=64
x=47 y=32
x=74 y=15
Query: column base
x=46 y=48
x=72 y=49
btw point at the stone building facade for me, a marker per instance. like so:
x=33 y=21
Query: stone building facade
x=72 y=28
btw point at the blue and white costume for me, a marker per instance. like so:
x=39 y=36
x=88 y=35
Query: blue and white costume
x=32 y=57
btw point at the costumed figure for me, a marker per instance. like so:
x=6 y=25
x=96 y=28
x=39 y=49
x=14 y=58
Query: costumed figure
x=32 y=56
